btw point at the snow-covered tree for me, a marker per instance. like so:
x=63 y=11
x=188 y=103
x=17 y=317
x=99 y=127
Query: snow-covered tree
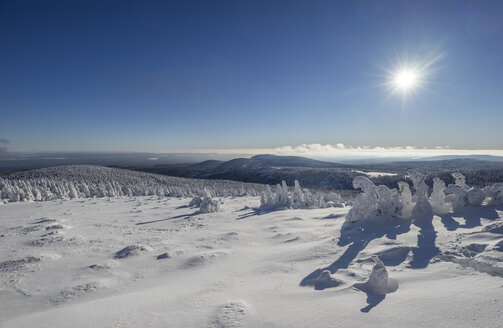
x=437 y=197
x=74 y=181
x=297 y=199
x=422 y=207
x=375 y=204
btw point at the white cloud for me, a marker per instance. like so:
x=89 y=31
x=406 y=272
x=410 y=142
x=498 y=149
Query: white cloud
x=340 y=150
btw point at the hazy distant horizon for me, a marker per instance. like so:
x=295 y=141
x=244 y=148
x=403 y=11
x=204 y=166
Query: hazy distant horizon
x=331 y=153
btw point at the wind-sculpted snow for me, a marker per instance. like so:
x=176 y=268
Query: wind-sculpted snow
x=154 y=261
x=379 y=204
x=297 y=199
x=378 y=282
x=83 y=181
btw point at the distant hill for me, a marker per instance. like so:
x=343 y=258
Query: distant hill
x=311 y=173
x=439 y=165
x=476 y=157
x=214 y=167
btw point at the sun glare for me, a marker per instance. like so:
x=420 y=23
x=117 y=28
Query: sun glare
x=405 y=80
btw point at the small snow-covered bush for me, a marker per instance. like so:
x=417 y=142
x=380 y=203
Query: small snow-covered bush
x=208 y=205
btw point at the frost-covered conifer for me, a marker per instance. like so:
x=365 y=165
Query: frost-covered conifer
x=422 y=207
x=437 y=197
x=375 y=204
x=67 y=182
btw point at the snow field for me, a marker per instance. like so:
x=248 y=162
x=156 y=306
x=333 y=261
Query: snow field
x=241 y=267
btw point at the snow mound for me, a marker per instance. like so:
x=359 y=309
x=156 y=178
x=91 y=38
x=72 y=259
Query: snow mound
x=163 y=256
x=54 y=227
x=229 y=315
x=76 y=291
x=378 y=282
x=50 y=239
x=326 y=280
x=99 y=267
x=473 y=249
x=202 y=259
x=394 y=256
x=44 y=221
x=494 y=228
x=16 y=265
x=131 y=250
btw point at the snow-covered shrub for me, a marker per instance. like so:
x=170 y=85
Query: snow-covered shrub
x=297 y=199
x=208 y=205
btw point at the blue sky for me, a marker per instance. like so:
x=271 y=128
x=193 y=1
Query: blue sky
x=186 y=75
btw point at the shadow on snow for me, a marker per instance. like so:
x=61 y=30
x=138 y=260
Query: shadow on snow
x=471 y=216
x=358 y=236
x=171 y=218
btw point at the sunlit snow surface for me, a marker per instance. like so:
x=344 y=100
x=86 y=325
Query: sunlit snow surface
x=94 y=263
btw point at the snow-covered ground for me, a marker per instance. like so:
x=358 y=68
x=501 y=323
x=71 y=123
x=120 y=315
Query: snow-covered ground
x=68 y=264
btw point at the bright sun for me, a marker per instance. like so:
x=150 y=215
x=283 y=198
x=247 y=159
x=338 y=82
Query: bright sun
x=405 y=79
